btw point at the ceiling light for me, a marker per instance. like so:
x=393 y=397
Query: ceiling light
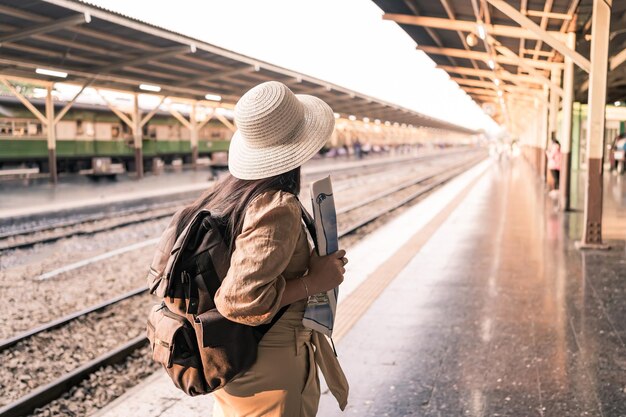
x=337 y=115
x=149 y=87
x=496 y=81
x=377 y=121
x=213 y=97
x=366 y=119
x=352 y=117
x=482 y=33
x=618 y=103
x=491 y=64
x=52 y=73
x=471 y=40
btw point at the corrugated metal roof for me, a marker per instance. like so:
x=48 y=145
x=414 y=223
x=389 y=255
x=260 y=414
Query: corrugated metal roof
x=120 y=52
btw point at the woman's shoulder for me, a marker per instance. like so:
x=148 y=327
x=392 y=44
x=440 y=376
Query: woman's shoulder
x=273 y=203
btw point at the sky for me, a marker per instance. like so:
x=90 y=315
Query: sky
x=344 y=42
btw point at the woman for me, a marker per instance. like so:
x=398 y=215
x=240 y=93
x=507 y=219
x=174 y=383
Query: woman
x=272 y=265
x=554 y=163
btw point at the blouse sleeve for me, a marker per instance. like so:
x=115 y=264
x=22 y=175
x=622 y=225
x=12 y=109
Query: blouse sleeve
x=252 y=290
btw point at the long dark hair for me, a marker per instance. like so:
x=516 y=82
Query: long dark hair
x=229 y=197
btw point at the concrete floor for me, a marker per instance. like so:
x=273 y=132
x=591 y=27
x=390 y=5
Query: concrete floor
x=497 y=315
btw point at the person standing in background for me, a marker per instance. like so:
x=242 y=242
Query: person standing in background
x=553 y=154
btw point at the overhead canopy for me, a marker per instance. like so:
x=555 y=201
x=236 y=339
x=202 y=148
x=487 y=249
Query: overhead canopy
x=451 y=32
x=109 y=50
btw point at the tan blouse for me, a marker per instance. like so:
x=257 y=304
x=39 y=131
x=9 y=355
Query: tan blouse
x=273 y=247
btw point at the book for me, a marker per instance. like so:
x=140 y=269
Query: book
x=320 y=311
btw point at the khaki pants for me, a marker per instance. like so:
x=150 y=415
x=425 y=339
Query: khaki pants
x=283 y=381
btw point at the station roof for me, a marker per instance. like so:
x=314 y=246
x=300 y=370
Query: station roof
x=110 y=50
x=444 y=29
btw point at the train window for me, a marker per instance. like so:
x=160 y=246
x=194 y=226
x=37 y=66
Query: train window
x=79 y=127
x=115 y=132
x=6 y=127
x=19 y=128
x=34 y=129
x=88 y=128
x=151 y=131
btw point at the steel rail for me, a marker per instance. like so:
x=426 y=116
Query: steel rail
x=51 y=391
x=129 y=212
x=11 y=341
x=45 y=394
x=357 y=225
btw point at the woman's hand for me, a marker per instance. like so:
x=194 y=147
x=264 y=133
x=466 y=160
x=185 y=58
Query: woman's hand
x=325 y=272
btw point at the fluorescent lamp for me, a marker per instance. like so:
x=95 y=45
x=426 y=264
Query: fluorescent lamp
x=213 y=97
x=482 y=34
x=491 y=64
x=471 y=40
x=52 y=73
x=150 y=87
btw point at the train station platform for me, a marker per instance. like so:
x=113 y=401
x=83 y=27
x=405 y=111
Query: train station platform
x=477 y=303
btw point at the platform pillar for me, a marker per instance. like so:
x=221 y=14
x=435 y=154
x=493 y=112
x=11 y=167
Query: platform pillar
x=566 y=124
x=193 y=128
x=137 y=136
x=543 y=134
x=51 y=133
x=600 y=23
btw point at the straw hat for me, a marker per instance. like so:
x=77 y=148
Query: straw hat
x=277 y=131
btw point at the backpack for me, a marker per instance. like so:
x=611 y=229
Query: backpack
x=200 y=349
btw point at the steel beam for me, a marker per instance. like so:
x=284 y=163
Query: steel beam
x=177 y=50
x=45 y=28
x=501 y=74
x=24 y=101
x=600 y=23
x=541 y=34
x=617 y=59
x=462 y=25
x=217 y=76
x=485 y=57
x=566 y=125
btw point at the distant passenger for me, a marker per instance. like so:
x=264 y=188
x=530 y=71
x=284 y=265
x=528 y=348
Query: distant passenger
x=554 y=163
x=358 y=150
x=272 y=269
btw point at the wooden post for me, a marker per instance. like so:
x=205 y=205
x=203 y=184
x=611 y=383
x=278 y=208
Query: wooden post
x=600 y=22
x=193 y=127
x=566 y=125
x=137 y=136
x=51 y=130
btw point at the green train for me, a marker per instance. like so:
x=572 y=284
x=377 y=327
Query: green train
x=90 y=132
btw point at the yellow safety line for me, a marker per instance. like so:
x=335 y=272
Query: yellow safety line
x=350 y=310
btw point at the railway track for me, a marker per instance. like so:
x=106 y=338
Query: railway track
x=367 y=211
x=97 y=223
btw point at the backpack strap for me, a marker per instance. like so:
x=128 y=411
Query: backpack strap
x=309 y=222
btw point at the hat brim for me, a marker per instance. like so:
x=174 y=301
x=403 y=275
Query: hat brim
x=249 y=163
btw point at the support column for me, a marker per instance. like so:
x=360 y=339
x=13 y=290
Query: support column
x=137 y=136
x=566 y=124
x=600 y=22
x=543 y=135
x=193 y=128
x=52 y=140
